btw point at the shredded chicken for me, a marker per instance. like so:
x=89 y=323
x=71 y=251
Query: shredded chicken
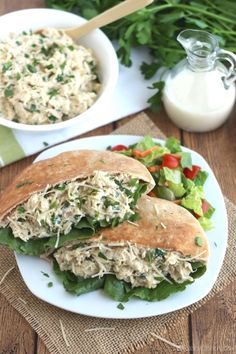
x=45 y=77
x=56 y=210
x=139 y=266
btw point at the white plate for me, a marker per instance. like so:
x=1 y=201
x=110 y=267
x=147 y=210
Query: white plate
x=97 y=303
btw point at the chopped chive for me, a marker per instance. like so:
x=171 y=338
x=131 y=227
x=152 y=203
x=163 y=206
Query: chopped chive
x=33 y=108
x=71 y=47
x=53 y=92
x=35 y=62
x=33 y=45
x=53 y=205
x=26 y=55
x=50 y=284
x=45 y=274
x=18 y=76
x=45 y=143
x=31 y=68
x=62 y=66
x=50 y=66
x=24 y=33
x=198 y=241
x=18 y=185
x=9 y=91
x=102 y=255
x=61 y=187
x=21 y=209
x=59 y=78
x=120 y=306
x=6 y=66
x=52 y=118
x=18 y=42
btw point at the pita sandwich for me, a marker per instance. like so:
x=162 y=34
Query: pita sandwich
x=159 y=254
x=70 y=196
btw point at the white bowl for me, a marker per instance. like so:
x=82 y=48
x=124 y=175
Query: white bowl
x=102 y=48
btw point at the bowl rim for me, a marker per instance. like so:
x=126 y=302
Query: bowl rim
x=107 y=90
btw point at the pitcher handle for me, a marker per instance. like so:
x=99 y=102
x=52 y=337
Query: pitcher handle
x=225 y=55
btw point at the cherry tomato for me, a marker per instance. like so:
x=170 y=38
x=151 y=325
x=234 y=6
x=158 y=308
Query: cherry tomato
x=191 y=174
x=119 y=148
x=170 y=161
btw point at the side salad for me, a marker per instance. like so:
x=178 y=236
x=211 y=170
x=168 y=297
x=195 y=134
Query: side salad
x=177 y=178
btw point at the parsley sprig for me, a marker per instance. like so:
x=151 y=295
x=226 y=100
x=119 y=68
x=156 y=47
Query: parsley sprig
x=157 y=27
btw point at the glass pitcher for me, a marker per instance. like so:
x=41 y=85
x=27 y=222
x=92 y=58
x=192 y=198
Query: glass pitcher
x=199 y=92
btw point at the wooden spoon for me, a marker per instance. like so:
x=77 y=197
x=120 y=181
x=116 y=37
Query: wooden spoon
x=109 y=16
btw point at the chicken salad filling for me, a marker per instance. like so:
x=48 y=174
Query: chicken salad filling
x=138 y=266
x=103 y=199
x=45 y=77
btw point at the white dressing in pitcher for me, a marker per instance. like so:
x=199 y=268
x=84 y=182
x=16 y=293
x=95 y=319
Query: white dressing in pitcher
x=199 y=92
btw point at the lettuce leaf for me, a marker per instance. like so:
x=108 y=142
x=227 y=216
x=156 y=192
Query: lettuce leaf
x=121 y=291
x=173 y=176
x=77 y=285
x=146 y=143
x=186 y=160
x=177 y=189
x=201 y=178
x=193 y=200
x=173 y=145
x=206 y=223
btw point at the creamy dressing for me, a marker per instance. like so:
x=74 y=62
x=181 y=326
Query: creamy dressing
x=198 y=101
x=137 y=265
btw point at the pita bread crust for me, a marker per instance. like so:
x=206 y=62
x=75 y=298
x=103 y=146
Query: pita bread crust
x=68 y=166
x=164 y=225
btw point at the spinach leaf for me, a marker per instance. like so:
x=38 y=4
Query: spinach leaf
x=77 y=285
x=36 y=247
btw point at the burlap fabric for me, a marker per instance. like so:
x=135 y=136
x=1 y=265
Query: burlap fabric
x=111 y=336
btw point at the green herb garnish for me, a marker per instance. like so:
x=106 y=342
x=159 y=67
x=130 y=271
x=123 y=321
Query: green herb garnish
x=50 y=66
x=19 y=185
x=61 y=187
x=120 y=306
x=31 y=68
x=60 y=78
x=157 y=27
x=45 y=274
x=9 y=91
x=45 y=143
x=50 y=284
x=102 y=255
x=53 y=92
x=21 y=209
x=52 y=118
x=198 y=241
x=62 y=66
x=18 y=76
x=6 y=66
x=33 y=108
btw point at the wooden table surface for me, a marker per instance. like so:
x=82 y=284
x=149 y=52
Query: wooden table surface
x=211 y=329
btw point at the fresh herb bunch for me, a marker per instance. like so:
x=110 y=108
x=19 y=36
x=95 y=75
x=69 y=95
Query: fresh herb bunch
x=157 y=27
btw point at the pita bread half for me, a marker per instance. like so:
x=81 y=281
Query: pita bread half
x=65 y=167
x=164 y=225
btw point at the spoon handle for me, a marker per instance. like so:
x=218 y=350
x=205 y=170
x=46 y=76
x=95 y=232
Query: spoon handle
x=115 y=13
